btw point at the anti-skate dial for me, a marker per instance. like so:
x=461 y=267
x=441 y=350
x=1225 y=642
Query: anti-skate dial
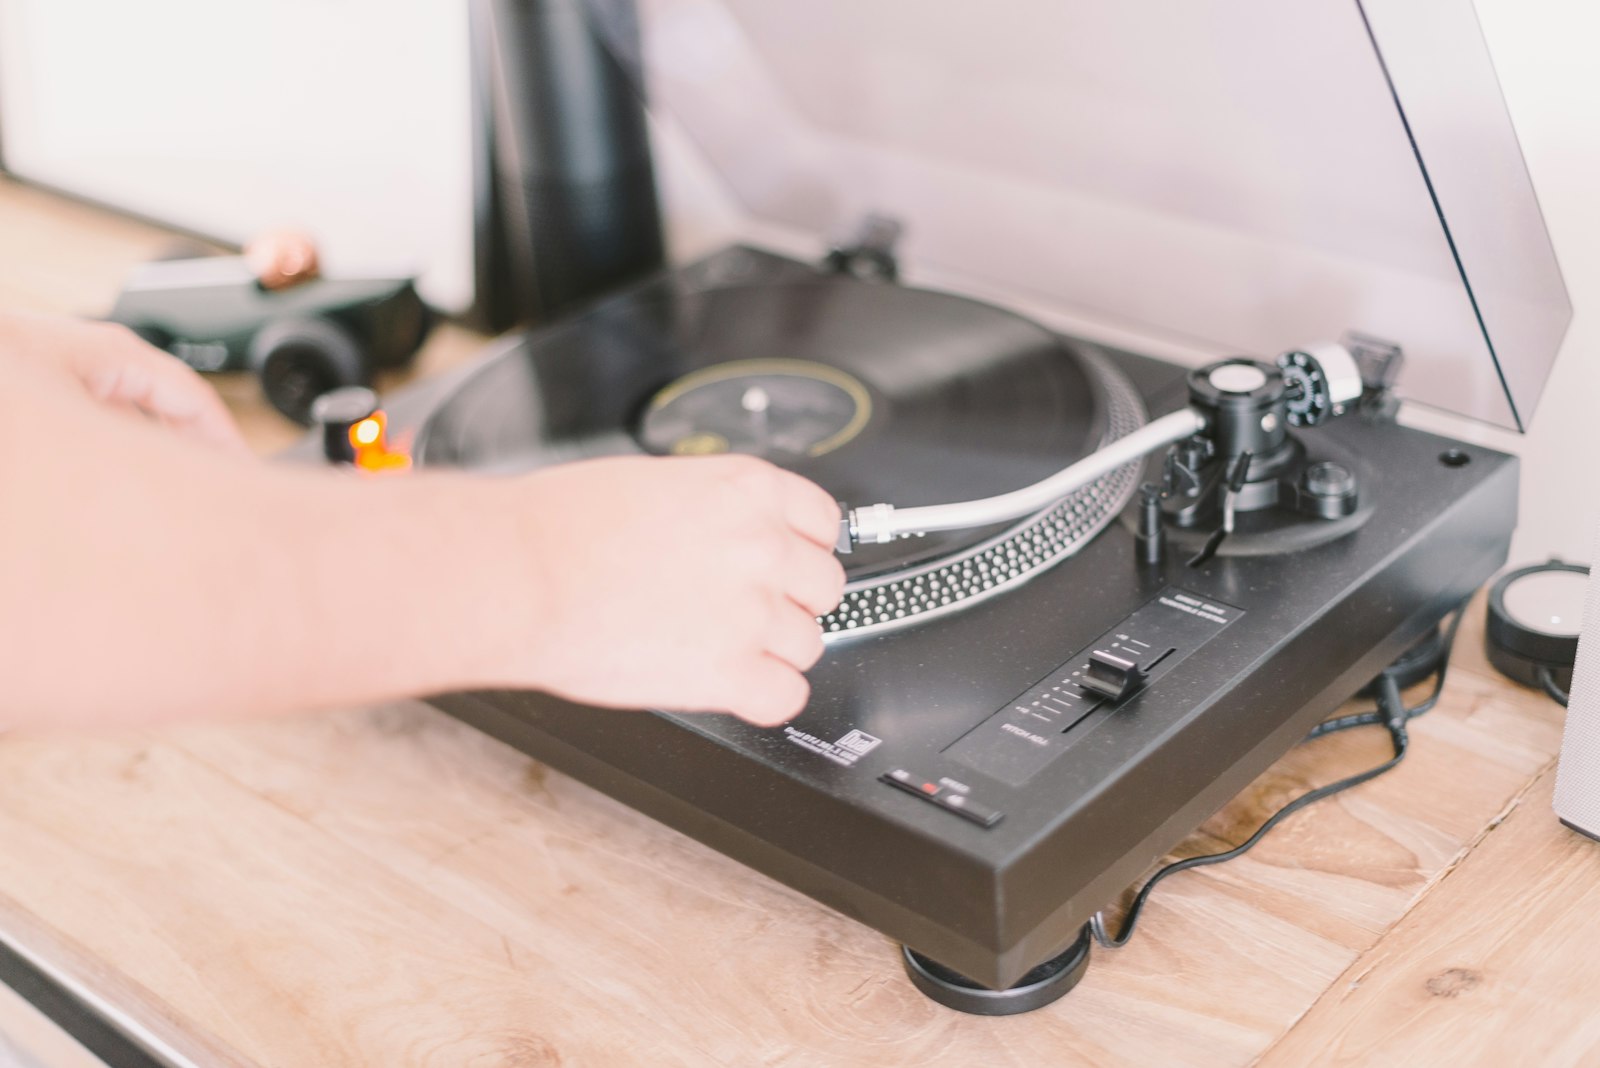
x=1318 y=383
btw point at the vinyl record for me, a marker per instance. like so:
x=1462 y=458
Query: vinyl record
x=877 y=392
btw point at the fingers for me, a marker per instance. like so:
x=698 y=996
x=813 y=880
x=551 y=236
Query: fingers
x=115 y=367
x=771 y=688
x=126 y=371
x=814 y=580
x=804 y=506
x=755 y=544
x=767 y=691
x=794 y=636
x=808 y=509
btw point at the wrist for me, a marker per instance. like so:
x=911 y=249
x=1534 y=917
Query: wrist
x=493 y=609
x=424 y=580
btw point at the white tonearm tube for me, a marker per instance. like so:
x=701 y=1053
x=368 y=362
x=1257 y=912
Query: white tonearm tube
x=879 y=523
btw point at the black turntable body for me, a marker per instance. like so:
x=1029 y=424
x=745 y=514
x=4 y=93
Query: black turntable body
x=957 y=784
x=1092 y=594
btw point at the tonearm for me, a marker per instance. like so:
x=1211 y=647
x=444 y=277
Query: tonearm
x=1230 y=451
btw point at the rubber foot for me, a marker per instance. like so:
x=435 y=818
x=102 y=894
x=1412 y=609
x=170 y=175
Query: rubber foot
x=1043 y=985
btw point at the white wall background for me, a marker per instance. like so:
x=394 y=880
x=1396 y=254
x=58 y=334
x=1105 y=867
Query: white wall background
x=347 y=117
x=135 y=103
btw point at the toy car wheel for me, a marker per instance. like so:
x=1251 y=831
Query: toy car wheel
x=301 y=359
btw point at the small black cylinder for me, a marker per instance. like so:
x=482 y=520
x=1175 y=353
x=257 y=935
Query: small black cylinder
x=1151 y=536
x=336 y=412
x=1521 y=636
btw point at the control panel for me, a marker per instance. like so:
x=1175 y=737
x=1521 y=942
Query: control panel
x=949 y=794
x=1021 y=739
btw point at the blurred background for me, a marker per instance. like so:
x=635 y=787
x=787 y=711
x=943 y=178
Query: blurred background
x=357 y=122
x=350 y=118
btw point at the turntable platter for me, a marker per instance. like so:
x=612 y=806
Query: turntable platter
x=874 y=391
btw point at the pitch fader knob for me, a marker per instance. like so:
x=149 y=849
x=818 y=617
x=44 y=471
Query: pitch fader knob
x=1112 y=677
x=1318 y=383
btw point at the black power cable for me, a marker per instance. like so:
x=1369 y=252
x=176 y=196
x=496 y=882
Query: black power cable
x=1548 y=683
x=1391 y=713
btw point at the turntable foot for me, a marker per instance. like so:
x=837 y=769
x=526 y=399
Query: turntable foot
x=1037 y=989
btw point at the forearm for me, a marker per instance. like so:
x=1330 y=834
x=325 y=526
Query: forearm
x=373 y=589
x=145 y=579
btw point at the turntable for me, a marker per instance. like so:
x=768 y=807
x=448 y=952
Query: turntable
x=1092 y=593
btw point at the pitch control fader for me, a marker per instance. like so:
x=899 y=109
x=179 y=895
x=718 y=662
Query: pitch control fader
x=1038 y=726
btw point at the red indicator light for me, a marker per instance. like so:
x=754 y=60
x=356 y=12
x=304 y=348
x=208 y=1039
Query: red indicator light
x=929 y=788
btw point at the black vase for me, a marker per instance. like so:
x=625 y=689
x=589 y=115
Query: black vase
x=566 y=199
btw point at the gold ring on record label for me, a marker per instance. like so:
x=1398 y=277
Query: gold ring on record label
x=700 y=444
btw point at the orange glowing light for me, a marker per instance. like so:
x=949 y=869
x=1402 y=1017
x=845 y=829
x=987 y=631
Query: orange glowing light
x=382 y=460
x=366 y=432
x=372 y=451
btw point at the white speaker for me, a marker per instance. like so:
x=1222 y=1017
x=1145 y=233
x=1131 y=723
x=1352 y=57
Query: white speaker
x=1578 y=773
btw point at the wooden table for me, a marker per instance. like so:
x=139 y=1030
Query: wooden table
x=388 y=887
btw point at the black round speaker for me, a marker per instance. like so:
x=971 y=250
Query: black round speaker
x=1535 y=616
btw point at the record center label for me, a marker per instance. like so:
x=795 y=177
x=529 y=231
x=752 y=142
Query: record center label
x=1021 y=739
x=782 y=410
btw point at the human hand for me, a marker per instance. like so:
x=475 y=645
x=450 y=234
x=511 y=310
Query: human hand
x=682 y=584
x=118 y=369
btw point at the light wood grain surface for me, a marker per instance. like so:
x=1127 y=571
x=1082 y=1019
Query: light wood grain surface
x=388 y=887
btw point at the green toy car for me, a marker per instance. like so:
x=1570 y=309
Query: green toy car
x=303 y=340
